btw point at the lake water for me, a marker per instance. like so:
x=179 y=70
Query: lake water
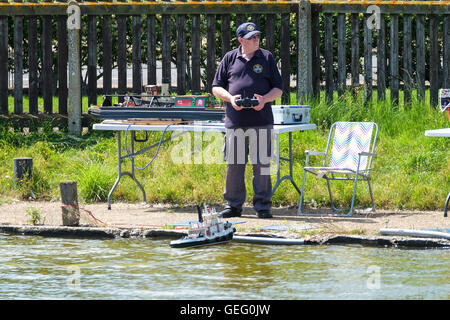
x=59 y=268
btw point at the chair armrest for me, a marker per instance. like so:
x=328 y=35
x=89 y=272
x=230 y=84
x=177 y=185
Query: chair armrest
x=315 y=153
x=367 y=154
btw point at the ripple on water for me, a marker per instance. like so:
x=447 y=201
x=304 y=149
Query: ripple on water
x=57 y=268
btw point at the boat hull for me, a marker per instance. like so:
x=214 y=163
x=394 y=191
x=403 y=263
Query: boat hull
x=200 y=242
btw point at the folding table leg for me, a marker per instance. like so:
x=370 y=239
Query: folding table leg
x=119 y=168
x=120 y=174
x=289 y=159
x=446 y=204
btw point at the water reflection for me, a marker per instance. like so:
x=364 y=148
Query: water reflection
x=50 y=268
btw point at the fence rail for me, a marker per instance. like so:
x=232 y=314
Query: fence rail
x=334 y=45
x=148 y=7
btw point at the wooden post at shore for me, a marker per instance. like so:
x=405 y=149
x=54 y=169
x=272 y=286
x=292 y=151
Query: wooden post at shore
x=23 y=168
x=69 y=199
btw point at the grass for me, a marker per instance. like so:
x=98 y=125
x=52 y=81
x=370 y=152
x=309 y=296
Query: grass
x=34 y=216
x=411 y=171
x=55 y=103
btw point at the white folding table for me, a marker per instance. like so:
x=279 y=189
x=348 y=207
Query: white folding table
x=440 y=133
x=202 y=126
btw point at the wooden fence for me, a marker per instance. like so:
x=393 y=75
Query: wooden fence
x=320 y=44
x=411 y=43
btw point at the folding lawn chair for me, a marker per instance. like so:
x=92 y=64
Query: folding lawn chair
x=350 y=151
x=444 y=101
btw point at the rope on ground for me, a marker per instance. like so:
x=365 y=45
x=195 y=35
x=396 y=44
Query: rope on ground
x=88 y=212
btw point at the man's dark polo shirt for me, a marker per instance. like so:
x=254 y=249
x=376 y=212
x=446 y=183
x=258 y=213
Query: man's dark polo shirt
x=239 y=76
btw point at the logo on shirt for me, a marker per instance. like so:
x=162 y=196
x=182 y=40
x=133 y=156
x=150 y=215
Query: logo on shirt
x=257 y=68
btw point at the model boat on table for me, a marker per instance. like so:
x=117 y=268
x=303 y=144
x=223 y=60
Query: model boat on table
x=209 y=230
x=186 y=107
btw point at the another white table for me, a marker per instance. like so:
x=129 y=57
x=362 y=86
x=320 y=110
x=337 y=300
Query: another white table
x=202 y=126
x=440 y=133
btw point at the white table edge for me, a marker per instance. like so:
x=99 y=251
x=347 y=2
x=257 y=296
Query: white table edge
x=444 y=132
x=278 y=128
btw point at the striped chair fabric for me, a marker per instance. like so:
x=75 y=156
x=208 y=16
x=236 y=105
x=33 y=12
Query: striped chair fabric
x=350 y=139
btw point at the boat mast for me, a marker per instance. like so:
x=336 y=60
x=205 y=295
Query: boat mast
x=199 y=211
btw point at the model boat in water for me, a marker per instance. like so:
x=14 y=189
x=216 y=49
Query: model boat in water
x=209 y=230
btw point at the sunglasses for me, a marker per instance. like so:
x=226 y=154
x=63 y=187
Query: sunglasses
x=254 y=37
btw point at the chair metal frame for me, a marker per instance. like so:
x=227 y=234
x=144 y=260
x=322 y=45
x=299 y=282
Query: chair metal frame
x=341 y=173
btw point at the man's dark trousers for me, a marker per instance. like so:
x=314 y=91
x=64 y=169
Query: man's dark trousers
x=240 y=143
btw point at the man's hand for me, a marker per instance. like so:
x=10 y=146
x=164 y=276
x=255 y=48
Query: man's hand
x=261 y=101
x=233 y=102
x=224 y=95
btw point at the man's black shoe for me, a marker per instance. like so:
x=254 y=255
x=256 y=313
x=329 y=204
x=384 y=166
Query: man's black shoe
x=230 y=212
x=264 y=214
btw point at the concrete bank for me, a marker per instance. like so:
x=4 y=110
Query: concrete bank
x=261 y=238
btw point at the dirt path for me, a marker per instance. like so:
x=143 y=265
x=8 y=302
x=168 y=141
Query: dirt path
x=163 y=216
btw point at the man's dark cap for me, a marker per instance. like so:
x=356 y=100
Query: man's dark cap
x=247 y=30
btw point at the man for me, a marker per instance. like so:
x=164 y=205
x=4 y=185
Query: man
x=247 y=72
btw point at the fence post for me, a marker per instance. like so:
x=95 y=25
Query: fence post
x=73 y=28
x=4 y=63
x=69 y=199
x=18 y=63
x=304 y=54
